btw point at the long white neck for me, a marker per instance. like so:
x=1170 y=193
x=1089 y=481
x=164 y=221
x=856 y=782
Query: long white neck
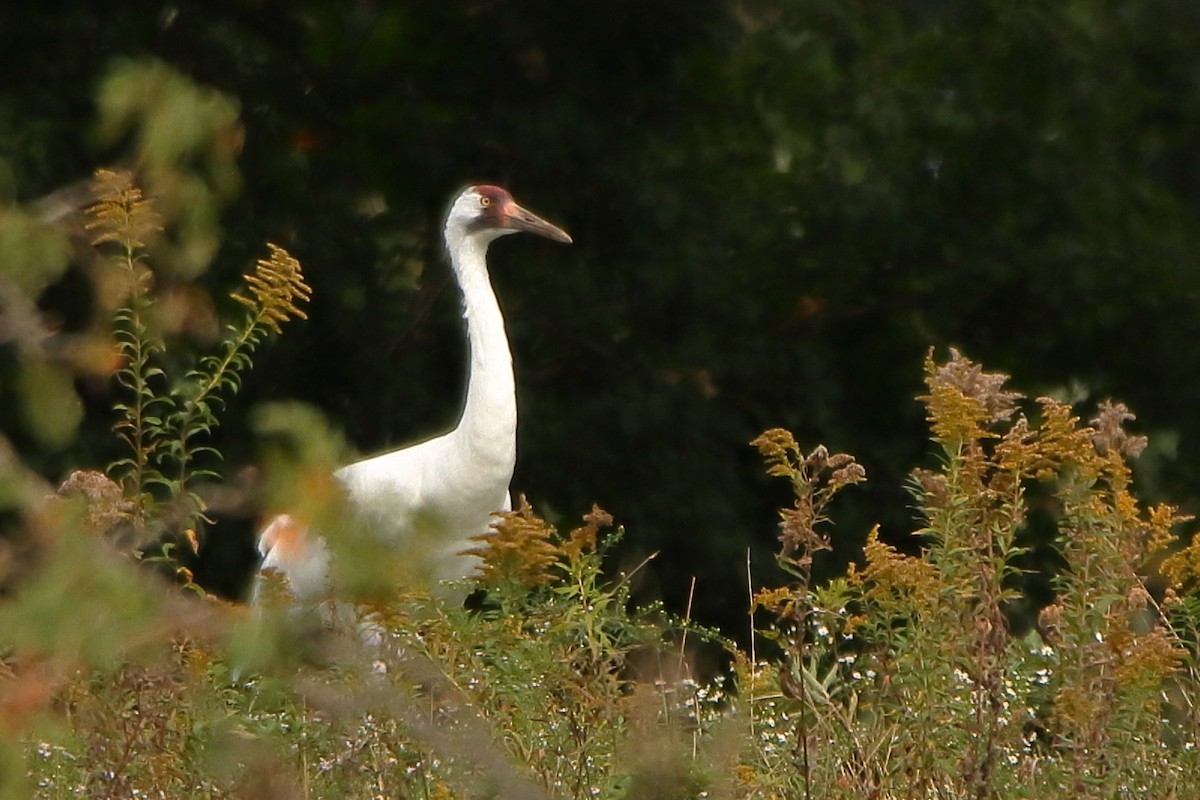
x=486 y=433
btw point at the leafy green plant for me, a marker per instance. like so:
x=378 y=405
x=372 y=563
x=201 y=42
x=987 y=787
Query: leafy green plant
x=815 y=479
x=162 y=417
x=275 y=286
x=123 y=218
x=552 y=687
x=549 y=678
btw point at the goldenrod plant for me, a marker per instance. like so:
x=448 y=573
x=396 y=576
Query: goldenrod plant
x=124 y=219
x=274 y=287
x=161 y=418
x=907 y=677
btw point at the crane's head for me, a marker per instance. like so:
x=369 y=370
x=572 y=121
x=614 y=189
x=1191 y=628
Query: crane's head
x=491 y=211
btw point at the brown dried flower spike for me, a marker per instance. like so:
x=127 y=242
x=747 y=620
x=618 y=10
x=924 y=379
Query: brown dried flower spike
x=815 y=478
x=121 y=214
x=963 y=400
x=276 y=285
x=1110 y=435
x=518 y=548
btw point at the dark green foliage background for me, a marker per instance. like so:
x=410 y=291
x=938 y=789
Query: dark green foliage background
x=777 y=208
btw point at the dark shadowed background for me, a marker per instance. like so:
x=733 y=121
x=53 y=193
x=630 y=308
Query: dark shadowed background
x=777 y=208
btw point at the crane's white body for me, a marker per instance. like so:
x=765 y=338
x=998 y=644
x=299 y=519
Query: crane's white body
x=435 y=495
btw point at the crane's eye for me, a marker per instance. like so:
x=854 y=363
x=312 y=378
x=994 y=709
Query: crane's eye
x=485 y=201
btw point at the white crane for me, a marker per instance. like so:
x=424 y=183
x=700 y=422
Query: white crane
x=443 y=490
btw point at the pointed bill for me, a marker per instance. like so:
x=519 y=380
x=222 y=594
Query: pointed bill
x=522 y=220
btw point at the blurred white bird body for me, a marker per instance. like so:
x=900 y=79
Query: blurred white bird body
x=437 y=494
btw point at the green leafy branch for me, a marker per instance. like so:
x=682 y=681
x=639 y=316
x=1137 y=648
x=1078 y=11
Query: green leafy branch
x=275 y=285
